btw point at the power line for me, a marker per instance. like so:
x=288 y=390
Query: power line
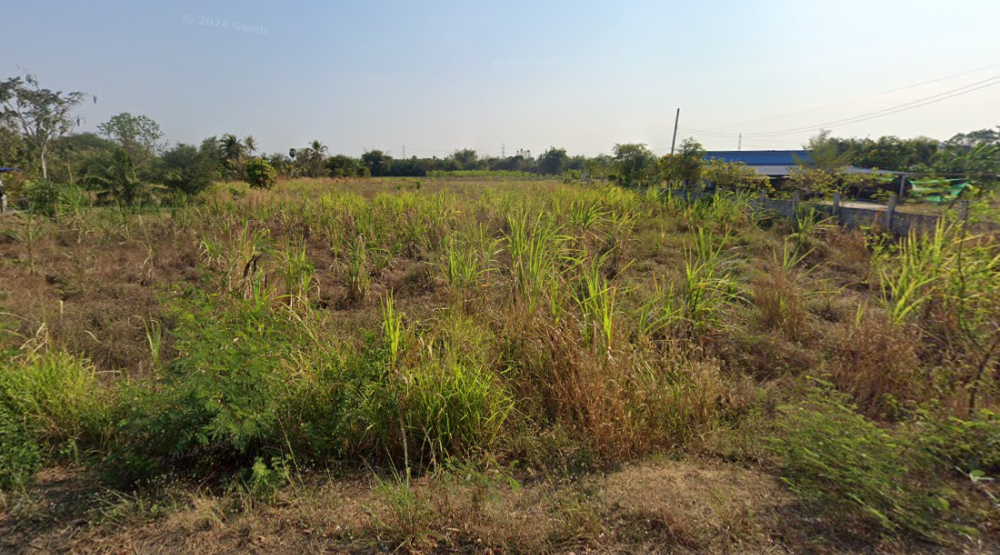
x=918 y=103
x=921 y=84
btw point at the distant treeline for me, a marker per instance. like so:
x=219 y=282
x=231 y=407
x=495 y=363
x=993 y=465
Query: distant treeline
x=127 y=158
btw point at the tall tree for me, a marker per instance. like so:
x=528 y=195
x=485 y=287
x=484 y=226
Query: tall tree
x=232 y=149
x=377 y=162
x=465 y=158
x=233 y=152
x=43 y=115
x=686 y=165
x=634 y=163
x=553 y=161
x=824 y=154
x=187 y=169
x=139 y=136
x=251 y=144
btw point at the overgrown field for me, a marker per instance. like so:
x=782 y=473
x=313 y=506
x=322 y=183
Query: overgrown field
x=492 y=367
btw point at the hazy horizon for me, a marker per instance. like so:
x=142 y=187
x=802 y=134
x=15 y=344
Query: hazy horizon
x=519 y=75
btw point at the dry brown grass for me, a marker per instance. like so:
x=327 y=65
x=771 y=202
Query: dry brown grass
x=697 y=506
x=878 y=364
x=581 y=411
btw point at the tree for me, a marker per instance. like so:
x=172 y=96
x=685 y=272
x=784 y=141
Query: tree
x=260 y=174
x=212 y=152
x=686 y=165
x=138 y=136
x=187 y=169
x=251 y=144
x=72 y=152
x=973 y=138
x=821 y=171
x=734 y=175
x=114 y=174
x=824 y=154
x=465 y=158
x=553 y=161
x=41 y=114
x=233 y=152
x=634 y=164
x=282 y=163
x=232 y=149
x=309 y=161
x=377 y=162
x=342 y=166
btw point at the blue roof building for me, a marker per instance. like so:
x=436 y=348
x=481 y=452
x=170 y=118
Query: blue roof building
x=772 y=163
x=776 y=164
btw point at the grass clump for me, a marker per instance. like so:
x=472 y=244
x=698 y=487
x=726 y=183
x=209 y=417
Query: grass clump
x=838 y=459
x=56 y=397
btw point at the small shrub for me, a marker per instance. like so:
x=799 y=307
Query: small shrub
x=228 y=397
x=968 y=445
x=260 y=174
x=408 y=515
x=20 y=454
x=43 y=195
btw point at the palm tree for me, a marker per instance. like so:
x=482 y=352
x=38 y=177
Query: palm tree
x=310 y=159
x=251 y=144
x=319 y=149
x=233 y=152
x=231 y=148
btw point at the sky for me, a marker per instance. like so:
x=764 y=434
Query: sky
x=435 y=76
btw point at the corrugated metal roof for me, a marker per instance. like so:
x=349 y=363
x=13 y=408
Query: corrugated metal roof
x=773 y=170
x=759 y=157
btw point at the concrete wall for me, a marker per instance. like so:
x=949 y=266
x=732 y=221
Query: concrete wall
x=901 y=223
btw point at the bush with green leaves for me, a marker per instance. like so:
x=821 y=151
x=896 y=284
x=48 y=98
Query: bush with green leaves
x=43 y=195
x=966 y=445
x=260 y=174
x=847 y=465
x=187 y=170
x=249 y=382
x=20 y=454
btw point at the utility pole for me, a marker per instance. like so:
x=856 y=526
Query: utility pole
x=673 y=143
x=739 y=146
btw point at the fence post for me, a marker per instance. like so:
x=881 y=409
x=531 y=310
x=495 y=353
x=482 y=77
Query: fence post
x=890 y=210
x=836 y=205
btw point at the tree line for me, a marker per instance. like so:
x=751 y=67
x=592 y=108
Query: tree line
x=127 y=159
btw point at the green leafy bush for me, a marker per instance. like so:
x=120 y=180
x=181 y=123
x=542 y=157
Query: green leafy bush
x=247 y=384
x=43 y=195
x=260 y=174
x=20 y=454
x=187 y=170
x=966 y=445
x=838 y=459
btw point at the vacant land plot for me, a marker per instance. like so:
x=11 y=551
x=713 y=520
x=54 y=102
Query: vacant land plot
x=442 y=366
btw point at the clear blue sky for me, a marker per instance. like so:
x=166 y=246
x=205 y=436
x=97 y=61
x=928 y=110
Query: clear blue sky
x=583 y=75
